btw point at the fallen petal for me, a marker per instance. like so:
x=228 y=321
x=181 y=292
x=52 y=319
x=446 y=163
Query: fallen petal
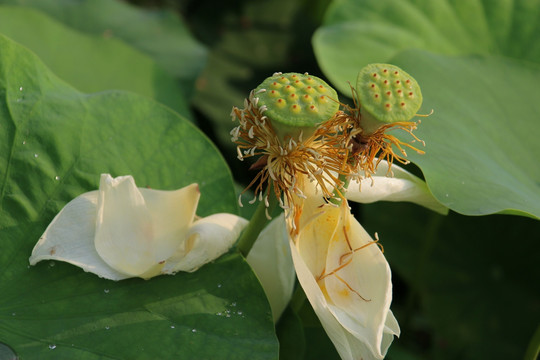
x=171 y=214
x=70 y=238
x=124 y=231
x=206 y=240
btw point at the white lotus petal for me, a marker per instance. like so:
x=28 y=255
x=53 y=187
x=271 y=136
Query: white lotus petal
x=358 y=282
x=391 y=326
x=70 y=238
x=337 y=268
x=270 y=258
x=171 y=214
x=403 y=186
x=314 y=237
x=391 y=329
x=124 y=232
x=348 y=347
x=206 y=240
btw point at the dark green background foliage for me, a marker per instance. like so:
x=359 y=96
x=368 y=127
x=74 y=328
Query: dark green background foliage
x=89 y=87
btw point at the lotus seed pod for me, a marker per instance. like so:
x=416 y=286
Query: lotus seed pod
x=296 y=102
x=387 y=95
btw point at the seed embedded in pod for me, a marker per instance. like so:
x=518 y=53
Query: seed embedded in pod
x=307 y=99
x=322 y=99
x=280 y=103
x=296 y=109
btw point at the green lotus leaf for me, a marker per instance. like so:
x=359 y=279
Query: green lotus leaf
x=55 y=141
x=475 y=63
x=91 y=63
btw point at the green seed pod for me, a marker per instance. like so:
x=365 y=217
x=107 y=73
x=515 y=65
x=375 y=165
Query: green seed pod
x=387 y=95
x=296 y=102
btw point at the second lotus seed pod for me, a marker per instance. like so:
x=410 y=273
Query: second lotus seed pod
x=387 y=94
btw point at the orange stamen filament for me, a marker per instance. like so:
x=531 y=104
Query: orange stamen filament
x=344 y=263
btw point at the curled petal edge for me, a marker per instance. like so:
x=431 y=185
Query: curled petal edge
x=402 y=186
x=207 y=239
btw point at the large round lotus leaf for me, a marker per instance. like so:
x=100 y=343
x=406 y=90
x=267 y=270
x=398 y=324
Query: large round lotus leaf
x=481 y=141
x=160 y=34
x=107 y=62
x=54 y=144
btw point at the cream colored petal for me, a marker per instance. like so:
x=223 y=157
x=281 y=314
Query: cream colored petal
x=348 y=347
x=391 y=325
x=124 y=232
x=270 y=258
x=335 y=279
x=358 y=283
x=391 y=329
x=402 y=186
x=171 y=215
x=70 y=238
x=315 y=235
x=206 y=240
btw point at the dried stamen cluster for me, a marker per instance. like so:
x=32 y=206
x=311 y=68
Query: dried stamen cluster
x=320 y=156
x=366 y=151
